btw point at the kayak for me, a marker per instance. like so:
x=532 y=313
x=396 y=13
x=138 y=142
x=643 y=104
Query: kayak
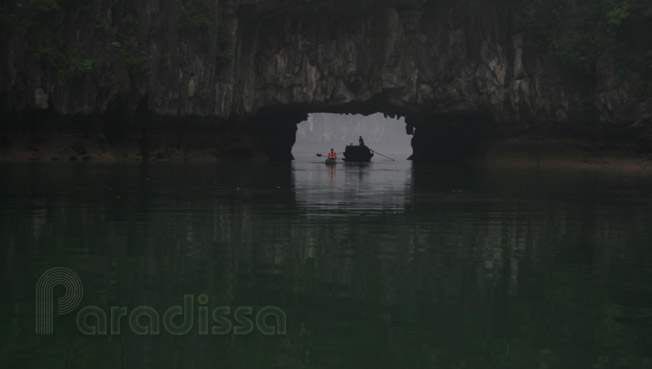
x=331 y=161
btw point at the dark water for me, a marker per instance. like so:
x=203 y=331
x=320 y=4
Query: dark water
x=383 y=265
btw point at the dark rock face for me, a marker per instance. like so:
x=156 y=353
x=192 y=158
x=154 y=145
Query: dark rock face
x=460 y=72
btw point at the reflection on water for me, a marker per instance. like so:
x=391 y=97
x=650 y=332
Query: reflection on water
x=364 y=189
x=378 y=265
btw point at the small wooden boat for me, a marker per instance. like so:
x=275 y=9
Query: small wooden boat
x=358 y=153
x=331 y=161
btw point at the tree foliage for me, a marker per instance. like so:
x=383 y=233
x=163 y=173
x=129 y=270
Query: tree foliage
x=576 y=35
x=69 y=66
x=196 y=16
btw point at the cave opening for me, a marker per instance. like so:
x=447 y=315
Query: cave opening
x=320 y=132
x=287 y=133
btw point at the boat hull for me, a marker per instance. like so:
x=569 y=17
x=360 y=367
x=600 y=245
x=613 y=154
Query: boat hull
x=358 y=153
x=330 y=161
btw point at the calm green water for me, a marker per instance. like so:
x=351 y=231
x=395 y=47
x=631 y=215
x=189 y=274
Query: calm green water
x=385 y=265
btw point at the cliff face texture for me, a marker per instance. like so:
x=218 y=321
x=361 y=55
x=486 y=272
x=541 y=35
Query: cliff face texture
x=235 y=77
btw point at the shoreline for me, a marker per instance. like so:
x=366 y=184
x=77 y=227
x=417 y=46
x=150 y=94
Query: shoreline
x=567 y=154
x=96 y=148
x=515 y=153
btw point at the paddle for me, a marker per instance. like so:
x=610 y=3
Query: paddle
x=376 y=152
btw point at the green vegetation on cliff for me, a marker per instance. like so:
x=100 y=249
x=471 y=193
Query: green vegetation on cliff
x=65 y=60
x=578 y=34
x=69 y=66
x=135 y=60
x=197 y=16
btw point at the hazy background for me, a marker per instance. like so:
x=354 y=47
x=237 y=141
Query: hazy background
x=325 y=130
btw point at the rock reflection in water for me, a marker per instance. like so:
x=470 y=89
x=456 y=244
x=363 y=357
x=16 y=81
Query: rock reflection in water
x=378 y=266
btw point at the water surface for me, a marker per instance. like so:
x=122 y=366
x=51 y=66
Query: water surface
x=386 y=264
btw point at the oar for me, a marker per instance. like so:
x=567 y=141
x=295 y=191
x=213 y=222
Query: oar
x=376 y=152
x=320 y=155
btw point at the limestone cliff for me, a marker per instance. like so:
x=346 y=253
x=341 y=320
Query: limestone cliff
x=240 y=74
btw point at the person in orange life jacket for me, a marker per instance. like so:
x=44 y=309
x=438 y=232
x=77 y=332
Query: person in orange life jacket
x=331 y=155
